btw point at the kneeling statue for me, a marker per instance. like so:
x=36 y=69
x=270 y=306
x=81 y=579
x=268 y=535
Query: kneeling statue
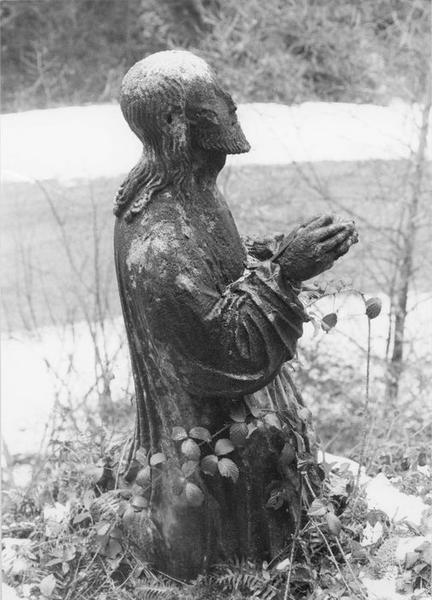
x=222 y=440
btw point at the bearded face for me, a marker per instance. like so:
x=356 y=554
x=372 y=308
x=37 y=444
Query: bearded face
x=212 y=118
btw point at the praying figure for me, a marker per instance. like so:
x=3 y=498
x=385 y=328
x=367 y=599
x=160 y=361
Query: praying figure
x=222 y=440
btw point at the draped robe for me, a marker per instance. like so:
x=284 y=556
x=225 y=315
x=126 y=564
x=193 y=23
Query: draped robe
x=209 y=327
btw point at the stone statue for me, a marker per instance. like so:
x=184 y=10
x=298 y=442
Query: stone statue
x=211 y=323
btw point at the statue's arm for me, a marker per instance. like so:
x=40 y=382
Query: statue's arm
x=227 y=342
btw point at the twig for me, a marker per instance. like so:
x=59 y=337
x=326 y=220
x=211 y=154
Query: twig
x=366 y=427
x=294 y=541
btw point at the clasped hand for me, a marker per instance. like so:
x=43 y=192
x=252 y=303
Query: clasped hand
x=314 y=246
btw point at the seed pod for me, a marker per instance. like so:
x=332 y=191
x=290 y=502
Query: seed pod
x=373 y=307
x=329 y=321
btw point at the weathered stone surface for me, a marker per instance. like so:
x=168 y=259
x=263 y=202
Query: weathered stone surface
x=211 y=324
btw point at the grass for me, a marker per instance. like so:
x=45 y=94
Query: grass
x=40 y=281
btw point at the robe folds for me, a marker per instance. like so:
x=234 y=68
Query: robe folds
x=210 y=329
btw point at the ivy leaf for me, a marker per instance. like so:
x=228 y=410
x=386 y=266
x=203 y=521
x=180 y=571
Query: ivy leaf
x=143 y=476
x=287 y=456
x=189 y=467
x=283 y=565
x=139 y=503
x=317 y=508
x=178 y=434
x=88 y=498
x=178 y=484
x=209 y=464
x=238 y=412
x=373 y=307
x=272 y=420
x=116 y=533
x=157 y=459
x=141 y=456
x=113 y=548
x=128 y=517
x=333 y=523
x=103 y=527
x=238 y=433
x=200 y=433
x=254 y=406
x=251 y=428
x=193 y=494
x=47 y=586
x=82 y=516
x=191 y=449
x=410 y=559
x=223 y=446
x=329 y=321
x=228 y=468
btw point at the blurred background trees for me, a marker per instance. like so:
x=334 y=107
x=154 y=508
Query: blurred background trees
x=76 y=52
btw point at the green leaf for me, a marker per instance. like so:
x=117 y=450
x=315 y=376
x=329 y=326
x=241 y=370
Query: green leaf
x=82 y=516
x=139 y=503
x=47 y=586
x=178 y=483
x=178 y=434
x=238 y=412
x=272 y=420
x=223 y=446
x=254 y=406
x=333 y=523
x=251 y=428
x=191 y=449
x=88 y=498
x=103 y=527
x=157 y=459
x=287 y=455
x=228 y=468
x=141 y=456
x=329 y=321
x=129 y=516
x=209 y=464
x=200 y=433
x=113 y=548
x=373 y=307
x=317 y=508
x=189 y=467
x=238 y=433
x=410 y=559
x=193 y=494
x=143 y=477
x=283 y=565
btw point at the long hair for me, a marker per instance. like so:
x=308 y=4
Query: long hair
x=153 y=106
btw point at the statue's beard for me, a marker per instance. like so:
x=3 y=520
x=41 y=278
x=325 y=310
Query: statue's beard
x=229 y=140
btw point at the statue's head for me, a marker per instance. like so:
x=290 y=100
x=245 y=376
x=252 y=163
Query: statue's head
x=174 y=104
x=173 y=98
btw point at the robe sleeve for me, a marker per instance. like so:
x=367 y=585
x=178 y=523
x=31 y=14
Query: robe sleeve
x=223 y=342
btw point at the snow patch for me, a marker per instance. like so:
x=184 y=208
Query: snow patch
x=89 y=142
x=174 y=63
